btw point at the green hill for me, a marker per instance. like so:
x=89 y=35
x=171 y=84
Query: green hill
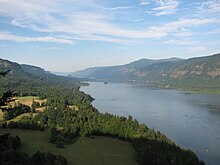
x=29 y=79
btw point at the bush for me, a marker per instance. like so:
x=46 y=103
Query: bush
x=9 y=142
x=47 y=158
x=16 y=111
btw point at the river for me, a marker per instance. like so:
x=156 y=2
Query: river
x=191 y=120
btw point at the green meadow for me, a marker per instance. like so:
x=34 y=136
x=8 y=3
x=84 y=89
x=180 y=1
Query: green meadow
x=94 y=150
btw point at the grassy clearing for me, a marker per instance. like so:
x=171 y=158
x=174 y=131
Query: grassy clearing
x=20 y=116
x=40 y=109
x=27 y=100
x=85 y=151
x=74 y=107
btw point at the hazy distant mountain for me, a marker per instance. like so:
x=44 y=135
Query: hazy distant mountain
x=194 y=72
x=60 y=73
x=118 y=73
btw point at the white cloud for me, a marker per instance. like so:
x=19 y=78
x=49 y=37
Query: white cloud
x=122 y=48
x=102 y=38
x=82 y=22
x=165 y=7
x=119 y=8
x=180 y=42
x=212 y=6
x=197 y=49
x=139 y=20
x=144 y=3
x=214 y=32
x=52 y=48
x=7 y=36
x=182 y=33
x=182 y=23
x=213 y=43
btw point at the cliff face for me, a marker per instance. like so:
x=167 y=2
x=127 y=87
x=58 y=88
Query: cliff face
x=204 y=66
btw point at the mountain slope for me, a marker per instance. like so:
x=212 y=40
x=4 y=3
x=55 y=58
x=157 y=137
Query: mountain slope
x=35 y=70
x=26 y=78
x=200 y=72
x=29 y=72
x=126 y=72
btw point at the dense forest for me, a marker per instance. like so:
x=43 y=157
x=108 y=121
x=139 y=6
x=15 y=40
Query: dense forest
x=69 y=114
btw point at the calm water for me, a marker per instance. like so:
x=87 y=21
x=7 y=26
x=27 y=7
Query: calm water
x=191 y=120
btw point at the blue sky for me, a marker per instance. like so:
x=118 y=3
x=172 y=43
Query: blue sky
x=67 y=35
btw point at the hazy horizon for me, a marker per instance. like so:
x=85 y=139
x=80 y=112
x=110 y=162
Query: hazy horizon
x=91 y=66
x=71 y=35
x=67 y=72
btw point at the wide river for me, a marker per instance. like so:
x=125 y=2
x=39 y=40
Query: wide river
x=191 y=120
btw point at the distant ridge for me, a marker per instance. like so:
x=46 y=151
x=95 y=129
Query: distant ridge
x=200 y=73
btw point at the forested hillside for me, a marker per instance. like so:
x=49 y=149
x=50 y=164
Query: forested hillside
x=35 y=70
x=29 y=80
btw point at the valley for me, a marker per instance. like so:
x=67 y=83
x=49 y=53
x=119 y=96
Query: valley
x=101 y=82
x=69 y=116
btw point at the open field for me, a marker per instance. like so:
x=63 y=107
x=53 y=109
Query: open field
x=85 y=151
x=27 y=100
